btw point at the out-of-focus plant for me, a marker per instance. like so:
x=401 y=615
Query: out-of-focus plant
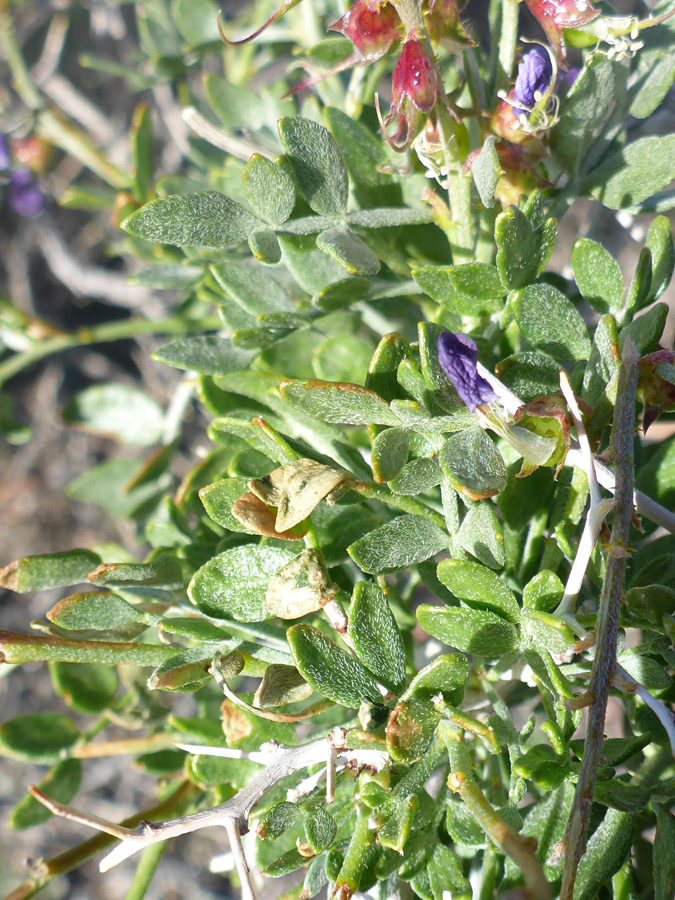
x=425 y=535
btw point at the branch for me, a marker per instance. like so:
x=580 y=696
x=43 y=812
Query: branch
x=604 y=663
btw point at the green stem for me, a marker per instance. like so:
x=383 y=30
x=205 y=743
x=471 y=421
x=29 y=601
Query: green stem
x=607 y=627
x=462 y=232
x=347 y=882
x=405 y=504
x=145 y=871
x=99 y=334
x=507 y=45
x=47 y=870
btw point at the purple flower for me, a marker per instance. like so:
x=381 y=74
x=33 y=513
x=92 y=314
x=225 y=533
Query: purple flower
x=534 y=76
x=24 y=196
x=5 y=161
x=458 y=357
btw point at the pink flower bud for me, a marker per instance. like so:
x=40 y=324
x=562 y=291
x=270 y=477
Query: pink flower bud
x=554 y=15
x=372 y=27
x=414 y=79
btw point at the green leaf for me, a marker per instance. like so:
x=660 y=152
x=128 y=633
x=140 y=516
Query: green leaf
x=185 y=672
x=529 y=375
x=37 y=737
x=196 y=20
x=605 y=854
x=543 y=592
x=207 y=354
x=143 y=152
x=546 y=821
x=341 y=294
x=655 y=70
x=634 y=172
x=320 y=829
x=445 y=874
x=277 y=820
x=22 y=648
x=168 y=276
x=478 y=587
x=480 y=534
x=472 y=289
x=219 y=498
x=206 y=219
x=265 y=246
x=486 y=172
x=61 y=785
x=660 y=243
x=164 y=573
x=338 y=402
x=414 y=719
x=118 y=411
x=416 y=477
x=97 y=612
x=390 y=453
x=585 y=110
x=252 y=288
x=375 y=635
x=549 y=321
x=598 y=276
x=541 y=765
x=87 y=688
x=269 y=189
x=363 y=151
x=348 y=251
x=522 y=249
x=545 y=632
x=329 y=670
x=470 y=630
x=317 y=164
x=389 y=217
x=48 y=570
x=472 y=463
x=398 y=544
x=336 y=359
x=280 y=686
x=664 y=854
x=646 y=330
x=239 y=105
x=233 y=584
x=640 y=286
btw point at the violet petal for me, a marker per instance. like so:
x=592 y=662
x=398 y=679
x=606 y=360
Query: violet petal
x=24 y=196
x=458 y=357
x=534 y=74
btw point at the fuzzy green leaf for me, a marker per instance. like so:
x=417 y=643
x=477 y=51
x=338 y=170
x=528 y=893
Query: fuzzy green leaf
x=317 y=164
x=598 y=276
x=233 y=584
x=48 y=570
x=269 y=189
x=398 y=544
x=329 y=670
x=207 y=219
x=478 y=587
x=338 y=402
x=470 y=630
x=550 y=322
x=375 y=635
x=37 y=737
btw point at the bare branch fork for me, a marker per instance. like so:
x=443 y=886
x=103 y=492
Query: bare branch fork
x=232 y=815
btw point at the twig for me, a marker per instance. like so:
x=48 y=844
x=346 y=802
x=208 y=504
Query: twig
x=233 y=145
x=604 y=662
x=598 y=509
x=232 y=814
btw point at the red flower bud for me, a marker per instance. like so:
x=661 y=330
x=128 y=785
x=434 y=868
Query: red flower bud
x=414 y=78
x=554 y=15
x=371 y=26
x=415 y=90
x=444 y=26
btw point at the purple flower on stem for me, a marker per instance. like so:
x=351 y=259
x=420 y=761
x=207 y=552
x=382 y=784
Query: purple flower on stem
x=533 y=81
x=458 y=357
x=24 y=196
